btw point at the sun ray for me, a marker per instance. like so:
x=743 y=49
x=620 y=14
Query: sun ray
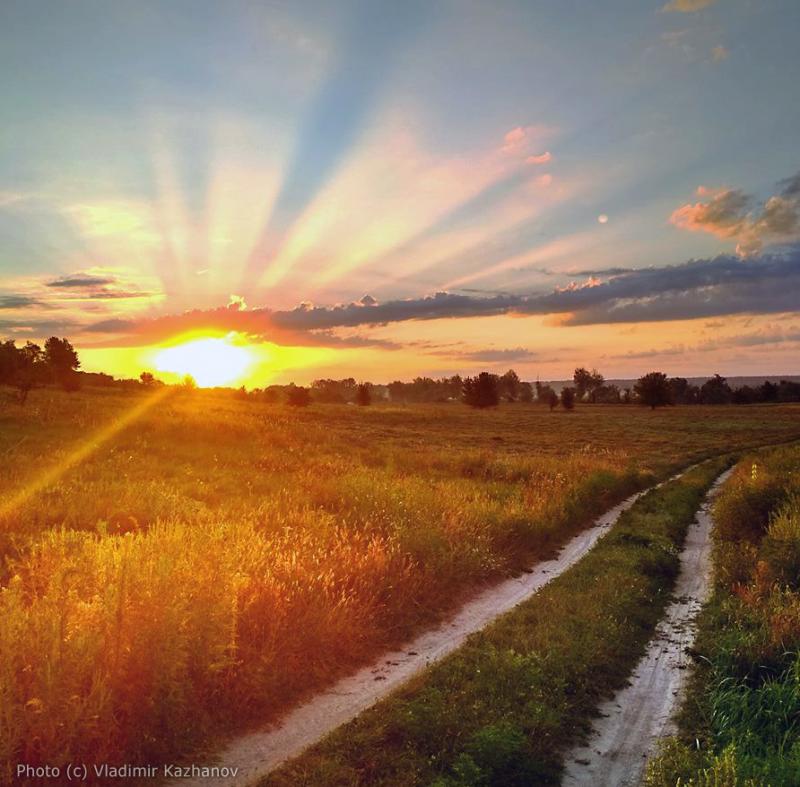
x=81 y=452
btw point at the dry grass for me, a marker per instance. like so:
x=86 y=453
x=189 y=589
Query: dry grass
x=216 y=560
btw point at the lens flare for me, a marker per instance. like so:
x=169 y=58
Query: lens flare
x=210 y=361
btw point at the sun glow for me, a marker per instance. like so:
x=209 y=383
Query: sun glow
x=209 y=360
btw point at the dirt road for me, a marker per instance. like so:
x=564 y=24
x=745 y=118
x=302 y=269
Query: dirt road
x=631 y=723
x=258 y=753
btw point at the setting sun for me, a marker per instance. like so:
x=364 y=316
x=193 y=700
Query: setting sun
x=210 y=361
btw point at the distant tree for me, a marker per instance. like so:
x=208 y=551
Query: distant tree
x=31 y=370
x=397 y=391
x=481 y=391
x=10 y=361
x=788 y=391
x=189 y=383
x=509 y=386
x=769 y=392
x=583 y=381
x=716 y=391
x=626 y=396
x=568 y=398
x=525 y=393
x=364 y=394
x=147 y=379
x=653 y=390
x=297 y=396
x=545 y=394
x=606 y=394
x=62 y=362
x=746 y=394
x=551 y=398
x=595 y=384
x=682 y=391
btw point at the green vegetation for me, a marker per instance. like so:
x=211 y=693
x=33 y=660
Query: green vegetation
x=741 y=722
x=502 y=709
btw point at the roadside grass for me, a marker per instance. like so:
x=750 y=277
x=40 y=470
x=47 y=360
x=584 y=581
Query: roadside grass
x=502 y=709
x=740 y=724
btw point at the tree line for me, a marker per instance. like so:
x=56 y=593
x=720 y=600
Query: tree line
x=57 y=363
x=30 y=366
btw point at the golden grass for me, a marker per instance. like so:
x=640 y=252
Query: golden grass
x=211 y=561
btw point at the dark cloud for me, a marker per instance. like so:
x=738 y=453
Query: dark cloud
x=724 y=285
x=509 y=355
x=37 y=328
x=18 y=302
x=79 y=281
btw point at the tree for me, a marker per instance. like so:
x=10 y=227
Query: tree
x=682 y=392
x=606 y=394
x=653 y=390
x=568 y=398
x=30 y=371
x=509 y=386
x=525 y=393
x=62 y=362
x=583 y=381
x=189 y=383
x=298 y=396
x=363 y=394
x=9 y=363
x=481 y=391
x=769 y=392
x=552 y=398
x=716 y=391
x=596 y=382
x=147 y=379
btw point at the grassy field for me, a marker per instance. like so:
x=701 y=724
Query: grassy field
x=741 y=722
x=180 y=564
x=502 y=709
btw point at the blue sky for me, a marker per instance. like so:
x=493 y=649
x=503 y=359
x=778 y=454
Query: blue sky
x=286 y=153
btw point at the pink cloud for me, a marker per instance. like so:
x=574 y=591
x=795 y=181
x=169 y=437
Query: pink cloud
x=727 y=213
x=542 y=158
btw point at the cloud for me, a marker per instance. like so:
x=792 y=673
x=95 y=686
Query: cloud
x=768 y=336
x=99 y=284
x=80 y=281
x=687 y=6
x=509 y=355
x=18 y=302
x=724 y=285
x=542 y=158
x=730 y=213
x=719 y=53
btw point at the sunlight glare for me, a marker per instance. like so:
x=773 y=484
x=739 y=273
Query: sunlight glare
x=211 y=361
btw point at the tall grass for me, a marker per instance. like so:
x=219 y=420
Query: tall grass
x=741 y=724
x=212 y=566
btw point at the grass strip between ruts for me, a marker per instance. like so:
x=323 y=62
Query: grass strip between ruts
x=502 y=709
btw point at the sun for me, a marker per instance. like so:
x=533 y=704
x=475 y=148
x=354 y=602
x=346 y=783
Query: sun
x=210 y=360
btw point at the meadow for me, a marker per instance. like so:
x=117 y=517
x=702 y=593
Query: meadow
x=179 y=565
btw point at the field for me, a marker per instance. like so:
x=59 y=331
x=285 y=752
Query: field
x=179 y=565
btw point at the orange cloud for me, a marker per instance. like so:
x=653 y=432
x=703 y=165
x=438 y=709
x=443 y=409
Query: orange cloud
x=727 y=213
x=687 y=6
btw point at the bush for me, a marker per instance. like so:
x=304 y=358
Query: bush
x=298 y=396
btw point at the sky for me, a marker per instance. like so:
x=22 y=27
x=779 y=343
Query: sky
x=384 y=190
